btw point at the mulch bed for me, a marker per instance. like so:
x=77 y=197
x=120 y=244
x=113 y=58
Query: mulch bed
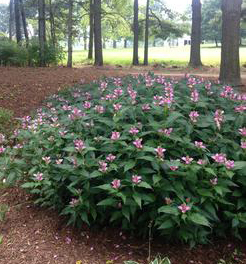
x=34 y=235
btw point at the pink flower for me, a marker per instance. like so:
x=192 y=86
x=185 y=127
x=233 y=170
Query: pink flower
x=219 y=117
x=2 y=149
x=184 y=208
x=229 y=164
x=117 y=107
x=2 y=138
x=168 y=200
x=145 y=107
x=214 y=181
x=110 y=157
x=201 y=162
x=187 y=160
x=160 y=152
x=59 y=161
x=136 y=179
x=103 y=86
x=243 y=144
x=38 y=176
x=166 y=131
x=194 y=96
x=115 y=135
x=103 y=166
x=99 y=109
x=193 y=116
x=219 y=157
x=73 y=202
x=46 y=160
x=240 y=109
x=133 y=131
x=137 y=143
x=87 y=105
x=173 y=168
x=115 y=184
x=118 y=92
x=242 y=132
x=199 y=144
x=79 y=144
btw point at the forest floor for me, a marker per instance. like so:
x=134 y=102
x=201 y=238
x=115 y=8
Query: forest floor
x=34 y=235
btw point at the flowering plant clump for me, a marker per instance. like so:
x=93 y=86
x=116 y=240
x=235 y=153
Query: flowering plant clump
x=136 y=150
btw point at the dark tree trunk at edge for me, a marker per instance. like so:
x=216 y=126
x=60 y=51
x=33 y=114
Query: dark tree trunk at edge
x=125 y=43
x=41 y=31
x=23 y=15
x=85 y=40
x=91 y=40
x=230 y=63
x=70 y=35
x=98 y=33
x=114 y=44
x=52 y=24
x=146 y=40
x=195 y=52
x=11 y=18
x=135 y=32
x=17 y=21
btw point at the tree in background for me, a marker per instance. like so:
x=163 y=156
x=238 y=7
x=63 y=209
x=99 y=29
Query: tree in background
x=90 y=49
x=11 y=19
x=17 y=21
x=42 y=31
x=23 y=16
x=195 y=53
x=146 y=39
x=70 y=34
x=98 y=33
x=230 y=64
x=135 y=32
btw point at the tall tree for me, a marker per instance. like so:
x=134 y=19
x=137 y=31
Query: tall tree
x=146 y=39
x=98 y=33
x=23 y=16
x=90 y=49
x=230 y=63
x=11 y=18
x=195 y=53
x=70 y=34
x=17 y=21
x=135 y=32
x=52 y=23
x=41 y=31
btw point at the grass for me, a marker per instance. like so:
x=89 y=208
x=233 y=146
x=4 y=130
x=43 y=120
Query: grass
x=178 y=56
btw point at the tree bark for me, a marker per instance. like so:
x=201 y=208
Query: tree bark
x=90 y=52
x=125 y=43
x=154 y=43
x=23 y=15
x=17 y=21
x=41 y=31
x=98 y=33
x=216 y=42
x=70 y=34
x=52 y=24
x=85 y=40
x=11 y=18
x=195 y=53
x=135 y=32
x=230 y=63
x=114 y=44
x=146 y=39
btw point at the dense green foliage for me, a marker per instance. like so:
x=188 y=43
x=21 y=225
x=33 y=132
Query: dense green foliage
x=140 y=152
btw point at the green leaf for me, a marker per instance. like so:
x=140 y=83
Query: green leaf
x=129 y=165
x=199 y=219
x=69 y=149
x=166 y=224
x=137 y=199
x=172 y=118
x=168 y=210
x=144 y=185
x=130 y=262
x=1 y=239
x=108 y=202
x=105 y=187
x=210 y=171
x=239 y=165
x=148 y=158
x=29 y=185
x=126 y=212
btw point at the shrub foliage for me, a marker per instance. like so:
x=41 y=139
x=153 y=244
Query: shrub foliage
x=138 y=152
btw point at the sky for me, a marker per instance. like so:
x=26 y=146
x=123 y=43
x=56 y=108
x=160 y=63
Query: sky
x=177 y=5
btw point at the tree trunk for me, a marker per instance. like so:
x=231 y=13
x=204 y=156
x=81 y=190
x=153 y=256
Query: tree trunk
x=70 y=34
x=85 y=40
x=11 y=18
x=125 y=43
x=52 y=24
x=41 y=31
x=230 y=63
x=98 y=33
x=90 y=52
x=17 y=21
x=114 y=44
x=154 y=43
x=146 y=40
x=216 y=42
x=135 y=32
x=23 y=15
x=195 y=55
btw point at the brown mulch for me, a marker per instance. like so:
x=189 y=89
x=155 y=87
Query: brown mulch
x=34 y=235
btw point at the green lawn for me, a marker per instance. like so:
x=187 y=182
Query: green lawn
x=171 y=56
